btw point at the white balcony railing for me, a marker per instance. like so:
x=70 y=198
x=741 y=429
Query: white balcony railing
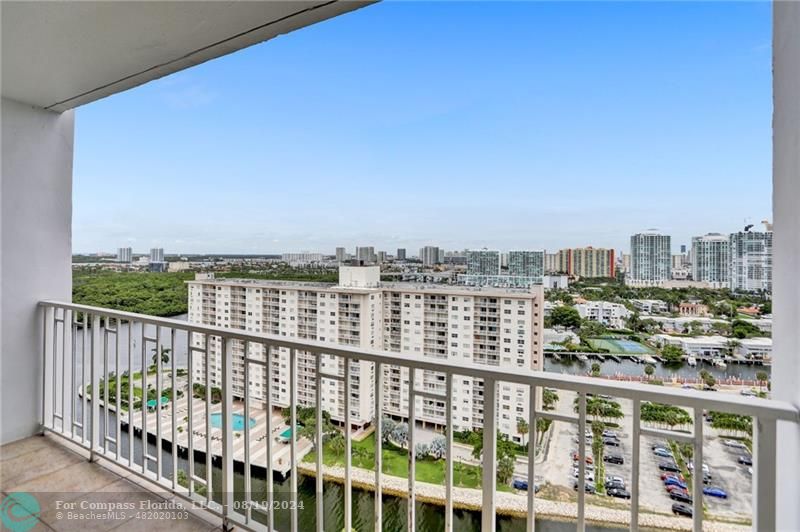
x=81 y=344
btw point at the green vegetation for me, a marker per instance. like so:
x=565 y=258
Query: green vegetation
x=598 y=448
x=672 y=354
x=165 y=294
x=199 y=392
x=665 y=415
x=600 y=409
x=744 y=329
x=565 y=316
x=156 y=294
x=733 y=424
x=395 y=462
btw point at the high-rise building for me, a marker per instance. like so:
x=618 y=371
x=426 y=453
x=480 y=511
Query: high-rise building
x=156 y=254
x=300 y=259
x=551 y=263
x=125 y=255
x=497 y=327
x=711 y=259
x=381 y=257
x=589 y=262
x=429 y=255
x=483 y=262
x=526 y=263
x=365 y=254
x=651 y=259
x=341 y=255
x=401 y=254
x=750 y=261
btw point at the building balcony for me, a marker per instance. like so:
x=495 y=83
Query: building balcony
x=73 y=416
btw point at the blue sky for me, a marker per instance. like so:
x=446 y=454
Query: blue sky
x=506 y=125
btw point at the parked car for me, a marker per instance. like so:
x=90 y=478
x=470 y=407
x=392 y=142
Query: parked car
x=682 y=509
x=676 y=475
x=669 y=466
x=614 y=485
x=588 y=487
x=715 y=492
x=706 y=478
x=660 y=451
x=672 y=481
x=611 y=442
x=749 y=393
x=610 y=434
x=674 y=487
x=734 y=444
x=576 y=457
x=520 y=484
x=746 y=459
x=680 y=496
x=658 y=444
x=706 y=469
x=615 y=478
x=620 y=493
x=613 y=459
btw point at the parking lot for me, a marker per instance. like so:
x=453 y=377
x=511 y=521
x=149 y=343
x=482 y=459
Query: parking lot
x=726 y=472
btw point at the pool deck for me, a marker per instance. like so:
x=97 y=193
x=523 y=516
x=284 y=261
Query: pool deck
x=258 y=434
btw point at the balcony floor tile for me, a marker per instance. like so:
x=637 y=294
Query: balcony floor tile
x=48 y=470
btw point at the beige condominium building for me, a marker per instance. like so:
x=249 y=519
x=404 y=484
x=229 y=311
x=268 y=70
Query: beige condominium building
x=491 y=326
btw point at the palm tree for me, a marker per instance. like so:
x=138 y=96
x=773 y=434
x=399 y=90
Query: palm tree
x=337 y=443
x=649 y=370
x=762 y=377
x=522 y=427
x=165 y=351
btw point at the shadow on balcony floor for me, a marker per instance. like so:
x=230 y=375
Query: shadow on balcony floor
x=41 y=477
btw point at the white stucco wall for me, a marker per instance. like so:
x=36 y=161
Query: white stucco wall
x=35 y=251
x=786 y=259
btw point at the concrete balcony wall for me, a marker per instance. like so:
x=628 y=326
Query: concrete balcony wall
x=786 y=258
x=35 y=251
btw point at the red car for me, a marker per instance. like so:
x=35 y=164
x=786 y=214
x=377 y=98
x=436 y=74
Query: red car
x=576 y=457
x=679 y=489
x=676 y=475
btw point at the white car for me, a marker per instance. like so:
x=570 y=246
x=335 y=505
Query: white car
x=615 y=478
x=706 y=469
x=734 y=444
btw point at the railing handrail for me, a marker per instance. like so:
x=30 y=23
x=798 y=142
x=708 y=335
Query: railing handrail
x=757 y=407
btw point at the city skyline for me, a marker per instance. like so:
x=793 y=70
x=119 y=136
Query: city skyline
x=456 y=142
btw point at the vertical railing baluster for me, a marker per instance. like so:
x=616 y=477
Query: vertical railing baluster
x=66 y=334
x=320 y=502
x=582 y=461
x=248 y=489
x=54 y=382
x=293 y=440
x=532 y=434
x=764 y=474
x=73 y=388
x=145 y=432
x=378 y=446
x=489 y=484
x=173 y=408
x=95 y=377
x=348 y=459
x=412 y=421
x=106 y=427
x=118 y=392
x=697 y=474
x=84 y=369
x=227 y=429
x=268 y=439
x=131 y=398
x=209 y=449
x=190 y=408
x=448 y=465
x=635 y=465
x=48 y=316
x=159 y=391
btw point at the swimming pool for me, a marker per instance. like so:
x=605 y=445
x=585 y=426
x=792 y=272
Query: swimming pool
x=238 y=421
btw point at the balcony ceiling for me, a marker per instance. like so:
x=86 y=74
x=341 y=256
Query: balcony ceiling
x=59 y=55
